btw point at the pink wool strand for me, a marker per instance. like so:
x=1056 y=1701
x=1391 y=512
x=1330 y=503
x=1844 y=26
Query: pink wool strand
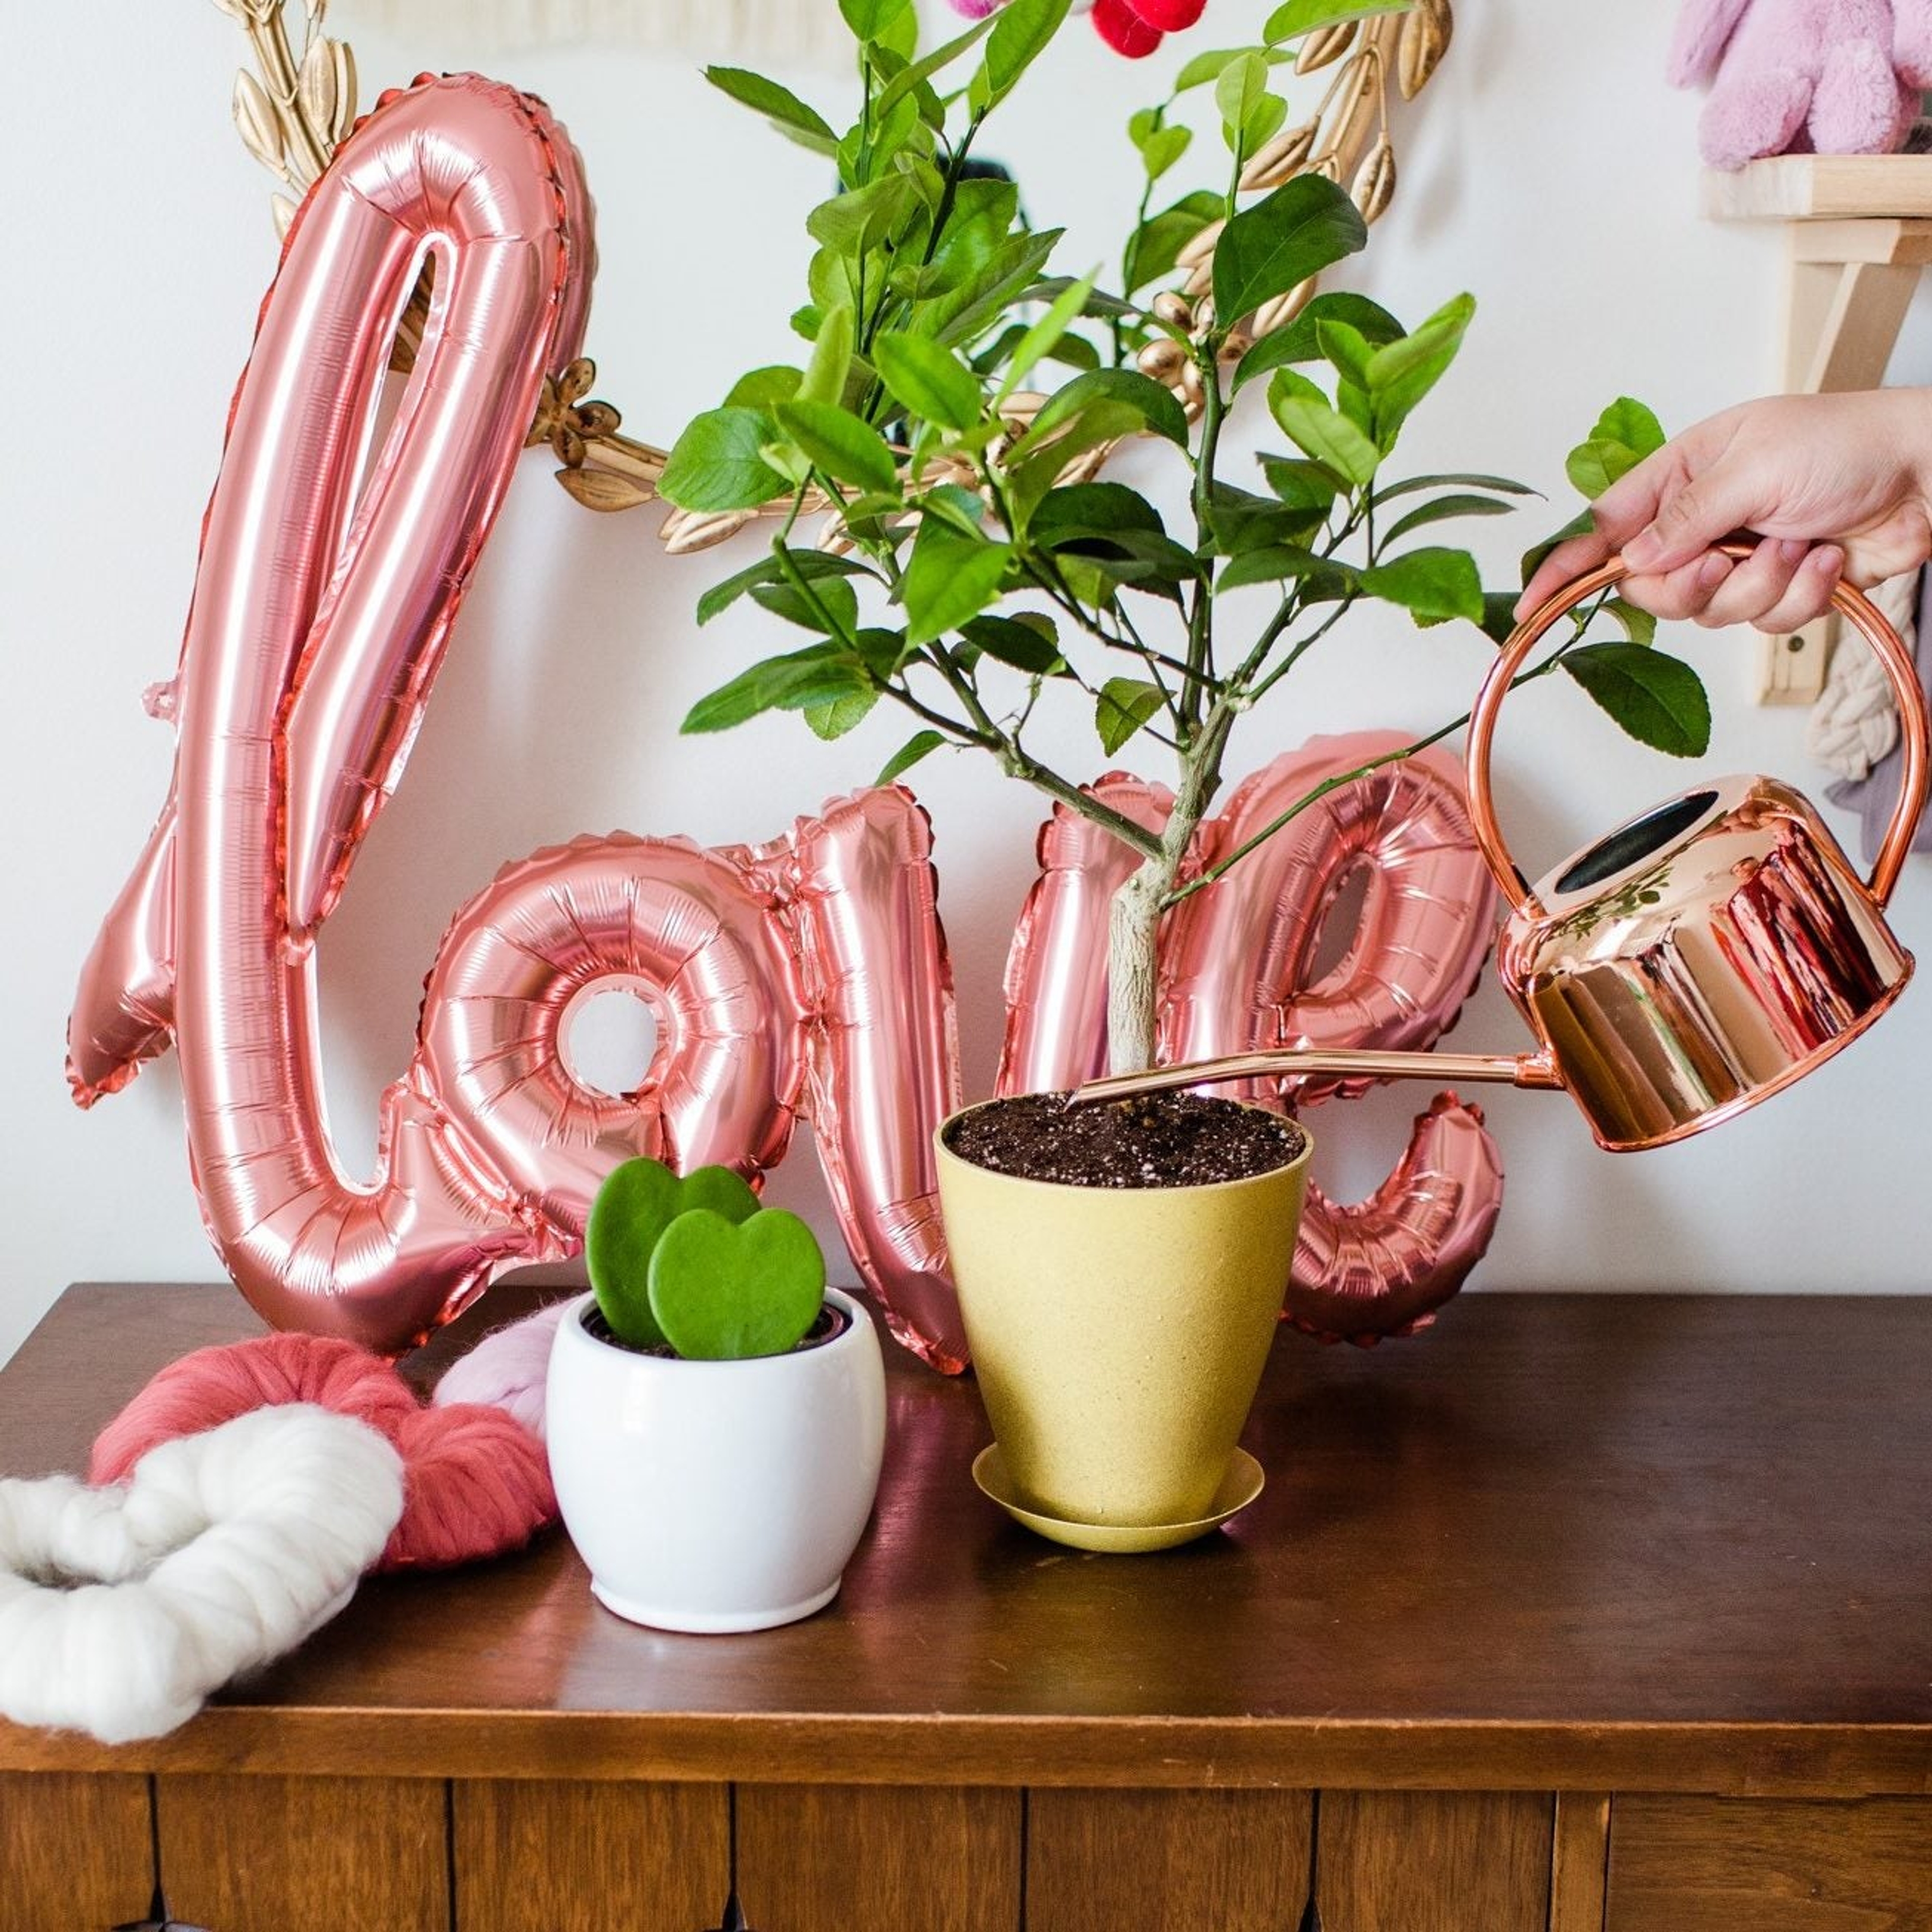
x=507 y=1369
x=476 y=1482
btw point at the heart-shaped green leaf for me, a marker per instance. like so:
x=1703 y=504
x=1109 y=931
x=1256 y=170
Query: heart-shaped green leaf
x=636 y=1204
x=722 y=1291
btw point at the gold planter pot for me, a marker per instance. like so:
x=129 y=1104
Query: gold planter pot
x=1118 y=1334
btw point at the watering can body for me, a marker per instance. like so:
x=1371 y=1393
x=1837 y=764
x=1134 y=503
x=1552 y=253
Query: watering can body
x=1698 y=960
x=1681 y=968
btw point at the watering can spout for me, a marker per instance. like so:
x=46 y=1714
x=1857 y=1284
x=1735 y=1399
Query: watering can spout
x=1686 y=966
x=1518 y=1070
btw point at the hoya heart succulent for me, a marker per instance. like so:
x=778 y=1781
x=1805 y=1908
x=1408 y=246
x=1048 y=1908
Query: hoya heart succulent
x=695 y=1264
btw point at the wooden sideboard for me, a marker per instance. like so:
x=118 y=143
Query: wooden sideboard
x=1578 y=1614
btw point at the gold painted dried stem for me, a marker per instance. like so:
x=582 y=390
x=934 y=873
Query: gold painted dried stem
x=293 y=113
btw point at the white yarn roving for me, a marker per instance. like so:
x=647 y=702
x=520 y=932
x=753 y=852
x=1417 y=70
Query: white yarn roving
x=1854 y=724
x=122 y=1609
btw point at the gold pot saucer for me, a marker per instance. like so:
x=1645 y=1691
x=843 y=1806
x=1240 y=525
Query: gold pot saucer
x=1239 y=1487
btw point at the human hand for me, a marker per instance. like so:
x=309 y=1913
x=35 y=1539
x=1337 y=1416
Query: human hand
x=1835 y=485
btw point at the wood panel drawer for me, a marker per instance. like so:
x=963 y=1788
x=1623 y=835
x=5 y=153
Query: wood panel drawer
x=1741 y=1865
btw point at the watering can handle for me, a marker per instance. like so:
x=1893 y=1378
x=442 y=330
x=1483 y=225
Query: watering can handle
x=1853 y=605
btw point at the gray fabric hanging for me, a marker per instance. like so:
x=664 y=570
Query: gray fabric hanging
x=1874 y=796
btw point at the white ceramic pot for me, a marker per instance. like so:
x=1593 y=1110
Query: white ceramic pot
x=715 y=1496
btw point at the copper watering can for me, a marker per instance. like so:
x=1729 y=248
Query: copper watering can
x=1680 y=969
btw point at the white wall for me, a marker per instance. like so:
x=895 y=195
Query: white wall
x=1547 y=169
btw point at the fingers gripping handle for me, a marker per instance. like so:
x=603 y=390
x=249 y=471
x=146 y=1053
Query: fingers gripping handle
x=1853 y=605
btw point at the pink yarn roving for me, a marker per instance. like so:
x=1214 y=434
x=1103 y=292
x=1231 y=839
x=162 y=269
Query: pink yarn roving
x=508 y=1370
x=476 y=1483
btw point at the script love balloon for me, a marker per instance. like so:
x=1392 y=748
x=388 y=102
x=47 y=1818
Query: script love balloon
x=319 y=620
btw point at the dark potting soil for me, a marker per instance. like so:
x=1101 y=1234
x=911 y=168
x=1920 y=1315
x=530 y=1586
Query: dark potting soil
x=1153 y=1140
x=831 y=1322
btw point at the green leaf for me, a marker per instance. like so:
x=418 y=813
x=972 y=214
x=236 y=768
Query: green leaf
x=834 y=597
x=1627 y=421
x=1271 y=562
x=1295 y=18
x=1088 y=509
x=1306 y=225
x=950 y=580
x=909 y=78
x=1021 y=32
x=1238 y=92
x=1209 y=66
x=1659 y=701
x=1498 y=618
x=1441 y=508
x=779 y=106
x=1044 y=333
x=1431 y=584
x=1639 y=626
x=635 y=1207
x=810 y=564
x=1582 y=524
x=920 y=744
x=927 y=379
x=841 y=715
x=716 y=464
x=1347 y=348
x=824 y=380
x=1017 y=641
x=1325 y=434
x=1299 y=484
x=1401 y=373
x=816 y=675
x=765 y=389
x=1593 y=466
x=1150 y=402
x=870 y=19
x=841 y=444
x=1300 y=340
x=1162 y=148
x=1452 y=479
x=1123 y=706
x=726 y=1291
x=1156 y=246
x=851 y=223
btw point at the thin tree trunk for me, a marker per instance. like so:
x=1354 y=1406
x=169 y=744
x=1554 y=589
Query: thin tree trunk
x=1133 y=981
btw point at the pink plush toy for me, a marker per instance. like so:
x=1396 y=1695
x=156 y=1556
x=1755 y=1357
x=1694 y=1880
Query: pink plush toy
x=1832 y=77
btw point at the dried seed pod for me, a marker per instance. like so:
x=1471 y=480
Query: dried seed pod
x=1275 y=160
x=1355 y=114
x=684 y=532
x=315 y=87
x=605 y=490
x=344 y=119
x=1204 y=312
x=1424 y=39
x=1172 y=310
x=284 y=212
x=1201 y=279
x=1273 y=315
x=1325 y=46
x=1162 y=360
x=256 y=121
x=1200 y=246
x=1374 y=184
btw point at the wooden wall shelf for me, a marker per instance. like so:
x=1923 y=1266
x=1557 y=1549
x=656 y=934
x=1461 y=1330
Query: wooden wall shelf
x=1595 y=1613
x=1860 y=234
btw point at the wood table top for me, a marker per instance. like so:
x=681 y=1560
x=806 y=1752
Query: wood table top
x=1582 y=1541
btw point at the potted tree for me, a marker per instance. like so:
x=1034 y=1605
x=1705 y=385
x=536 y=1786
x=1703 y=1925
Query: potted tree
x=973 y=569
x=716 y=1414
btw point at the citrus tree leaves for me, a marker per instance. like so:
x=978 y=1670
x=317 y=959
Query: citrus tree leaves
x=1658 y=699
x=1306 y=225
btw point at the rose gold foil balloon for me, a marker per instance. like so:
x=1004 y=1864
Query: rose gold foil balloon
x=691 y=933
x=862 y=900
x=1235 y=966
x=1384 y=1266
x=319 y=618
x=1056 y=1001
